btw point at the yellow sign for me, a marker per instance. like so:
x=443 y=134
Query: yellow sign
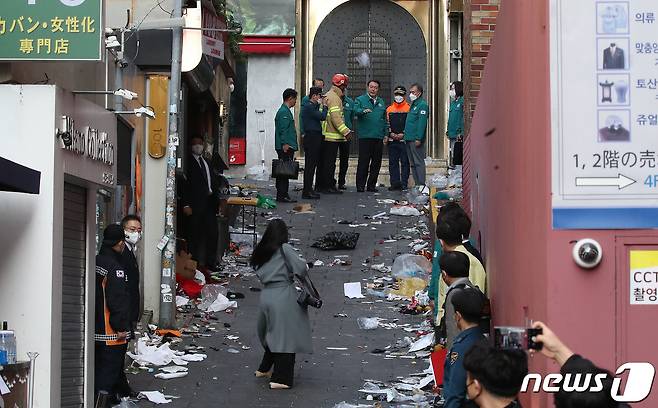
x=644 y=278
x=158 y=127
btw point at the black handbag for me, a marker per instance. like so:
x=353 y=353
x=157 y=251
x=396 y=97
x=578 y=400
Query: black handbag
x=308 y=296
x=287 y=169
x=458 y=153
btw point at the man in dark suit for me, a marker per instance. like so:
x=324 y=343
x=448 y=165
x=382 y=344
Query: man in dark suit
x=613 y=57
x=200 y=206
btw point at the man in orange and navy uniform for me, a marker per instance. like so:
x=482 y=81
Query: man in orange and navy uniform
x=112 y=313
x=398 y=162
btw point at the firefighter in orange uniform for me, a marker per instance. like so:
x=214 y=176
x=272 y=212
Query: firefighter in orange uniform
x=112 y=313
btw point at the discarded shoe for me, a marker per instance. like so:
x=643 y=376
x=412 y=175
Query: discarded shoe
x=277 y=386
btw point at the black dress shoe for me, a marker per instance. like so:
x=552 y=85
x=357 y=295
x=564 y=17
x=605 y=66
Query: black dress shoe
x=342 y=187
x=360 y=190
x=395 y=188
x=373 y=190
x=310 y=196
x=285 y=200
x=332 y=190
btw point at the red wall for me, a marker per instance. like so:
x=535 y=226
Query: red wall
x=508 y=168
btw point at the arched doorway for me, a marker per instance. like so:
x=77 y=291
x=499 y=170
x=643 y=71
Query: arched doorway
x=391 y=37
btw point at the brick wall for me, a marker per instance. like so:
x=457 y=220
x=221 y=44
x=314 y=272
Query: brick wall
x=479 y=26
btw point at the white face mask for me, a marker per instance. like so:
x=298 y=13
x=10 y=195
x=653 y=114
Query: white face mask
x=453 y=93
x=231 y=87
x=413 y=97
x=399 y=98
x=133 y=237
x=197 y=149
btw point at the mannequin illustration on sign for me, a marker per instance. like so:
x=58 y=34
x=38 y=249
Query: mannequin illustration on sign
x=613 y=19
x=614 y=130
x=613 y=57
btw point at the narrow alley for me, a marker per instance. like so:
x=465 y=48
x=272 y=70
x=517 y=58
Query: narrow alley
x=345 y=356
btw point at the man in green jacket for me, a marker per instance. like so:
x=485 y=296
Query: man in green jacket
x=285 y=140
x=415 y=131
x=371 y=114
x=455 y=130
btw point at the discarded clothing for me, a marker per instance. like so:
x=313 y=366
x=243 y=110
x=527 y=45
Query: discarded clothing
x=337 y=240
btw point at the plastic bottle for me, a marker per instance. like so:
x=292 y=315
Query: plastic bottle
x=4 y=347
x=8 y=344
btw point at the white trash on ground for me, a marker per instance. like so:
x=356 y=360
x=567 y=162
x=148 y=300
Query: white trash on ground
x=411 y=266
x=455 y=177
x=258 y=172
x=155 y=396
x=422 y=343
x=439 y=181
x=367 y=323
x=213 y=299
x=405 y=211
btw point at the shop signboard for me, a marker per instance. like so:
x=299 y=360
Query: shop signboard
x=51 y=30
x=604 y=108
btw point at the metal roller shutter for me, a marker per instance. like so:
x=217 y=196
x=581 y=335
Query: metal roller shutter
x=73 y=296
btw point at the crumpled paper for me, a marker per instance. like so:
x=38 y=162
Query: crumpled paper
x=155 y=397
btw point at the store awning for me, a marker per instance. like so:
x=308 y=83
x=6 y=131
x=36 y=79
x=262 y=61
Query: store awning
x=17 y=178
x=258 y=44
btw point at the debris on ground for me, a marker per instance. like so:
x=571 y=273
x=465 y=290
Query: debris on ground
x=337 y=240
x=405 y=211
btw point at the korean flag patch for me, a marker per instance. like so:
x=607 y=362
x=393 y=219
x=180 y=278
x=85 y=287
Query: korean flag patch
x=453 y=357
x=121 y=274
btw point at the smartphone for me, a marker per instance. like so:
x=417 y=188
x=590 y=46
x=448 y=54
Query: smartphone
x=517 y=338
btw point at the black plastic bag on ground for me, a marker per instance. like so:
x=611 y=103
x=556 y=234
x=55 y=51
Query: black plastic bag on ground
x=336 y=241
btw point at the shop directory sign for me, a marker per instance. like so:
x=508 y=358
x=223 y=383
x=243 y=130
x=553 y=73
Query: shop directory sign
x=604 y=108
x=51 y=30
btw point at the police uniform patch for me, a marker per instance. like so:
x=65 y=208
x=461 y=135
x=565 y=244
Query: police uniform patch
x=121 y=274
x=453 y=357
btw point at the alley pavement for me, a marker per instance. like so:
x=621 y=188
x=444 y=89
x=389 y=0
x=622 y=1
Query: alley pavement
x=326 y=377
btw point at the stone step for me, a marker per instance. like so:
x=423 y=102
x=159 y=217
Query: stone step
x=436 y=166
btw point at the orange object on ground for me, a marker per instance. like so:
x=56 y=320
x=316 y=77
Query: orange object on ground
x=162 y=332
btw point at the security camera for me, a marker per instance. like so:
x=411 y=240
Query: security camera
x=144 y=111
x=122 y=63
x=112 y=42
x=587 y=253
x=456 y=54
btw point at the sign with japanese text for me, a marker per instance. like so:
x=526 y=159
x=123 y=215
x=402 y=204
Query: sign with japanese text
x=644 y=278
x=604 y=91
x=51 y=30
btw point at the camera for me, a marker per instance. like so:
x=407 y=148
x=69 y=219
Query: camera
x=516 y=338
x=587 y=253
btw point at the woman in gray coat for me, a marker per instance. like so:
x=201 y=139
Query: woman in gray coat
x=283 y=325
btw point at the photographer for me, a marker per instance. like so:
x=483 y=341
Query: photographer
x=571 y=363
x=494 y=377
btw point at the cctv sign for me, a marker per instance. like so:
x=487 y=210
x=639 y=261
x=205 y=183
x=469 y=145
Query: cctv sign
x=644 y=278
x=69 y=30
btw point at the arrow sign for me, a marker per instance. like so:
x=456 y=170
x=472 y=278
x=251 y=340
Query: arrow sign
x=620 y=181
